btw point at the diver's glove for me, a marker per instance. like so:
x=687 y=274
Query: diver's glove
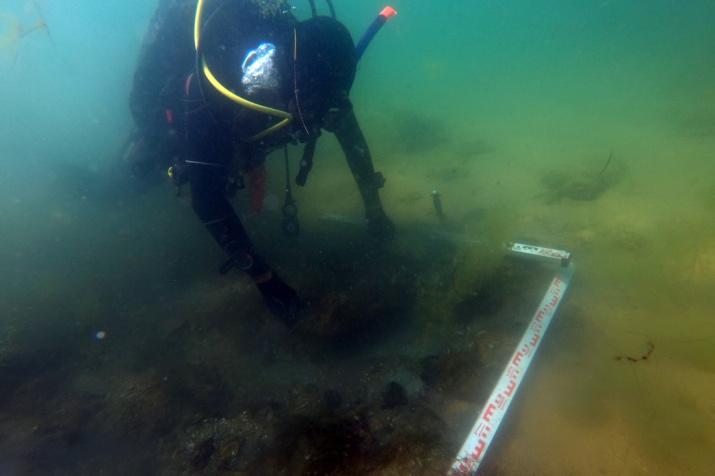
x=379 y=225
x=281 y=299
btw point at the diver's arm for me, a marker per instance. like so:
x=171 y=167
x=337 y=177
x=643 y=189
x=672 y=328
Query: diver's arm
x=352 y=141
x=208 y=197
x=217 y=214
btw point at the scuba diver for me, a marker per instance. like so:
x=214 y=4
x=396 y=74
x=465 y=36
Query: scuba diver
x=260 y=79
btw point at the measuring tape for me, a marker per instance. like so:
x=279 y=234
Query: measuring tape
x=540 y=253
x=484 y=429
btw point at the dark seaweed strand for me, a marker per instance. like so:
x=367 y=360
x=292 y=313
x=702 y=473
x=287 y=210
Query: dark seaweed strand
x=646 y=356
x=607 y=162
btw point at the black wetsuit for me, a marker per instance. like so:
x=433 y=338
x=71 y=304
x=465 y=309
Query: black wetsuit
x=212 y=143
x=215 y=134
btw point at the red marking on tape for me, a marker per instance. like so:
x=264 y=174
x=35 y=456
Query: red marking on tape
x=485 y=427
x=489 y=413
x=510 y=388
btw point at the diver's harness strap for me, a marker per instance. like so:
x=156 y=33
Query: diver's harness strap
x=314 y=10
x=290 y=225
x=306 y=163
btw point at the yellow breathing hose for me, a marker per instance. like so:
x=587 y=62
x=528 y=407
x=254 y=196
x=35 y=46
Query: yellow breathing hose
x=287 y=117
x=197 y=23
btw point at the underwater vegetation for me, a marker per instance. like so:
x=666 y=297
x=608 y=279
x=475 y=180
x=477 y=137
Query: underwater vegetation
x=14 y=28
x=581 y=184
x=358 y=388
x=415 y=132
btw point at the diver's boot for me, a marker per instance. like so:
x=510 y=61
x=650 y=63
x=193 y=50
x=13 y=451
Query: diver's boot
x=281 y=299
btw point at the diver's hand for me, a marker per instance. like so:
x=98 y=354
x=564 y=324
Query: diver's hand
x=281 y=299
x=379 y=225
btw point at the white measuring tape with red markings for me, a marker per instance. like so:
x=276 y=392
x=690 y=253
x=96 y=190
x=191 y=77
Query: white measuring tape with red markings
x=480 y=437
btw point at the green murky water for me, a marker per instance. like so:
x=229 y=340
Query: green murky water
x=511 y=111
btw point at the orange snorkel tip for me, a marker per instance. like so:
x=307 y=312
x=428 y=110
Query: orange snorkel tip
x=388 y=12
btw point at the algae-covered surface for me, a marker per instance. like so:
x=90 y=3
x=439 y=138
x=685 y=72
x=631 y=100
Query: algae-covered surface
x=585 y=127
